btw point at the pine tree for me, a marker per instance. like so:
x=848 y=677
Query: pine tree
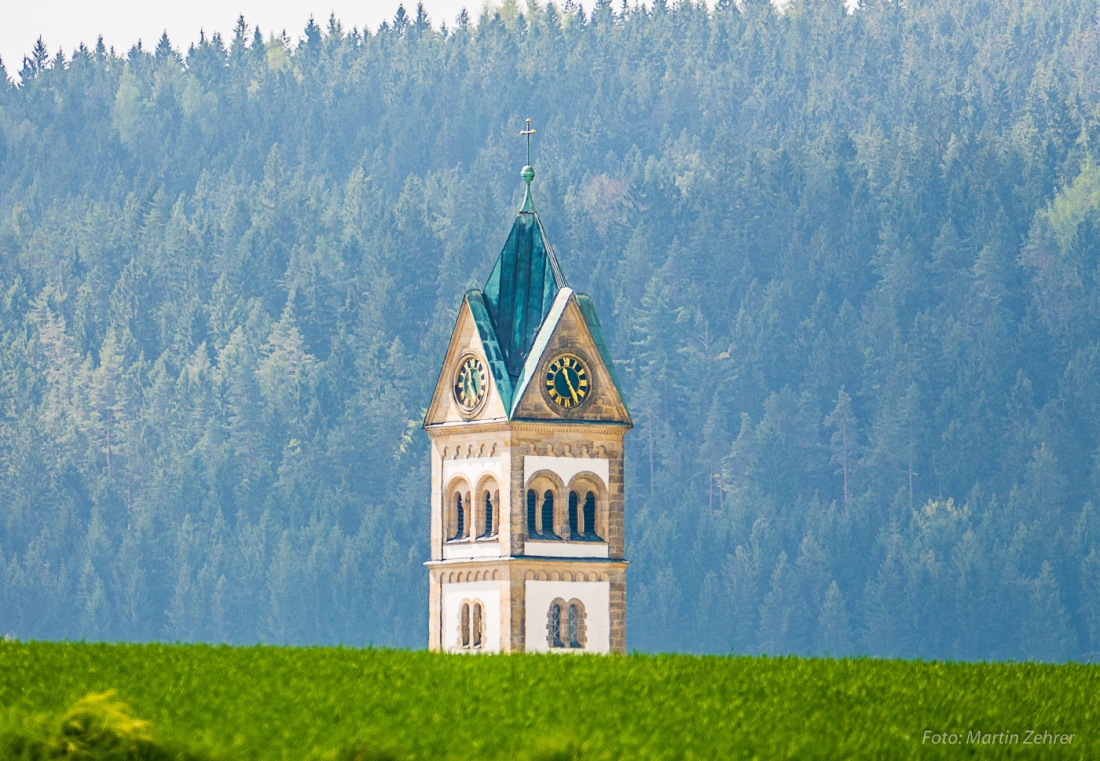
x=776 y=611
x=165 y=51
x=312 y=40
x=1045 y=634
x=835 y=630
x=400 y=20
x=714 y=444
x=238 y=47
x=1090 y=598
x=422 y=23
x=36 y=63
x=287 y=368
x=109 y=400
x=843 y=440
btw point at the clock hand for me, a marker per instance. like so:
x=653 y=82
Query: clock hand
x=571 y=389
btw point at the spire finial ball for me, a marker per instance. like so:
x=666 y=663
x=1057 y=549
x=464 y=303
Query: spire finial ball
x=528 y=174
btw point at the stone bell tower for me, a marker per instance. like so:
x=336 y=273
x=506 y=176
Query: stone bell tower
x=527 y=424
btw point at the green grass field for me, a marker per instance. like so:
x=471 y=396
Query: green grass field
x=205 y=702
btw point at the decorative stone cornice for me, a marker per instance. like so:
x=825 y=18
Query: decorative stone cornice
x=469 y=451
x=519 y=559
x=548 y=449
x=525 y=426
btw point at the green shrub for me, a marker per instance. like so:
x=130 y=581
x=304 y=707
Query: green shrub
x=98 y=727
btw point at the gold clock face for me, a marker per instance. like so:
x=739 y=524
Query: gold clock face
x=567 y=381
x=470 y=383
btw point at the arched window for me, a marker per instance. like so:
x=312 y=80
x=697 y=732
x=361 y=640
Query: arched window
x=565 y=624
x=588 y=494
x=488 y=514
x=459 y=519
x=477 y=635
x=464 y=624
x=548 y=513
x=532 y=527
x=590 y=515
x=555 y=626
x=574 y=528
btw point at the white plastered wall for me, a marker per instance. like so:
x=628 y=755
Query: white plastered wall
x=566 y=467
x=485 y=592
x=594 y=595
x=559 y=549
x=473 y=469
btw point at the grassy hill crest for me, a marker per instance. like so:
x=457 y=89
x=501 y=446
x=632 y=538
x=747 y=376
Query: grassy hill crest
x=219 y=702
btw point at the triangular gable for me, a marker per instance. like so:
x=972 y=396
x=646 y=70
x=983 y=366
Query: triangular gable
x=473 y=332
x=567 y=329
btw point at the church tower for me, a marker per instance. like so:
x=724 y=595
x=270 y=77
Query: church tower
x=526 y=424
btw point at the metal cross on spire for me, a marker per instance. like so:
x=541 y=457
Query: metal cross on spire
x=528 y=172
x=528 y=132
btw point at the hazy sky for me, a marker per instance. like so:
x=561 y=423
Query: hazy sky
x=66 y=23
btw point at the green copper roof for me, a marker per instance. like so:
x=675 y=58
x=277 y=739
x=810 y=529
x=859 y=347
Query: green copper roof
x=476 y=300
x=522 y=286
x=588 y=310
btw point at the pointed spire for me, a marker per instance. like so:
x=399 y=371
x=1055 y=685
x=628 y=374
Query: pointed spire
x=525 y=279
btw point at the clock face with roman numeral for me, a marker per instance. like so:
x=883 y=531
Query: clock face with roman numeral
x=470 y=383
x=567 y=382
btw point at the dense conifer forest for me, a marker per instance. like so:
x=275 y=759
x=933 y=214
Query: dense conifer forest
x=848 y=265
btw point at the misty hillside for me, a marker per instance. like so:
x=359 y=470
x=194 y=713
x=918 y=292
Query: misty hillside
x=848 y=266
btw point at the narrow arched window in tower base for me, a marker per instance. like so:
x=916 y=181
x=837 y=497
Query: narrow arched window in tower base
x=565 y=624
x=464 y=625
x=471 y=625
x=477 y=635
